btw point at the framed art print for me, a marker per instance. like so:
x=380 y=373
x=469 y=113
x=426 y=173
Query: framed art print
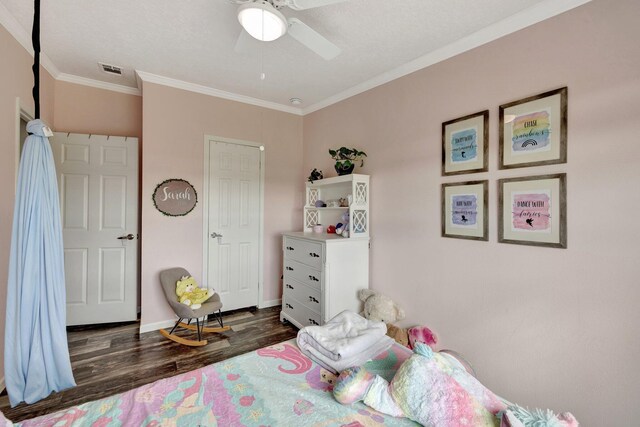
x=533 y=210
x=465 y=144
x=533 y=131
x=464 y=210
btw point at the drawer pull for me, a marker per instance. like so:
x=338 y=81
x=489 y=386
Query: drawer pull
x=289 y=306
x=289 y=286
x=313 y=278
x=314 y=255
x=313 y=322
x=289 y=268
x=291 y=248
x=312 y=299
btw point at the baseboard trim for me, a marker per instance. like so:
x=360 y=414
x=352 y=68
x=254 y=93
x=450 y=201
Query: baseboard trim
x=2 y=385
x=272 y=303
x=150 y=327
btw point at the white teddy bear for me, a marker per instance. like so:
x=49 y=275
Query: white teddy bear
x=379 y=307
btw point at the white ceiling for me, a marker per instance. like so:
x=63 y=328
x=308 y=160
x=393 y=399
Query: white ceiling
x=193 y=41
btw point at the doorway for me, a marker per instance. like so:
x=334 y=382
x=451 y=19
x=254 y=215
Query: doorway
x=233 y=220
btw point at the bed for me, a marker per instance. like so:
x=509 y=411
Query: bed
x=272 y=386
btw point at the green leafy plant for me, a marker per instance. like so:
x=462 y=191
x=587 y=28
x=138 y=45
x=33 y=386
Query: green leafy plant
x=345 y=157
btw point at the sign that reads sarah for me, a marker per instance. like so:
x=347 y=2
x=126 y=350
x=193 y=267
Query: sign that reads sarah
x=175 y=197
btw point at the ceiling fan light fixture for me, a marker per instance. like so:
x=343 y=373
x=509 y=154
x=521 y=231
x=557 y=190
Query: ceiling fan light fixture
x=262 y=21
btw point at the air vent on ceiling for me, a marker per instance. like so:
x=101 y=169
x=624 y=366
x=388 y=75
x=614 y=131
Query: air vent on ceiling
x=110 y=69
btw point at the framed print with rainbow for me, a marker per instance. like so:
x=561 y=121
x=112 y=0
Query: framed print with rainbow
x=533 y=131
x=464 y=210
x=533 y=210
x=465 y=142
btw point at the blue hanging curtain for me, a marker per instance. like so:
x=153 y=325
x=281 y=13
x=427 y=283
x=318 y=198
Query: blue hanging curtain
x=36 y=354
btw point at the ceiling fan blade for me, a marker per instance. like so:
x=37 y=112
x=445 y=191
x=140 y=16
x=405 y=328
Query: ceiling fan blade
x=312 y=39
x=310 y=4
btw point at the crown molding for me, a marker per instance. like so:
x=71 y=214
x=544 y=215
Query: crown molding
x=537 y=13
x=70 y=78
x=209 y=91
x=20 y=34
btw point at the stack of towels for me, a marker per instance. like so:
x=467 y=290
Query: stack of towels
x=346 y=340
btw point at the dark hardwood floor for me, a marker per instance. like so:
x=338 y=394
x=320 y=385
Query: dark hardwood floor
x=110 y=359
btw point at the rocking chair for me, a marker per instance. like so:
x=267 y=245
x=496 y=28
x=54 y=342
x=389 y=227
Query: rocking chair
x=212 y=306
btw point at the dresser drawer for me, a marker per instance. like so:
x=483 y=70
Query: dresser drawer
x=298 y=311
x=302 y=273
x=302 y=293
x=306 y=252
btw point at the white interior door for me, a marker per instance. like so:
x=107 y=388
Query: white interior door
x=98 y=183
x=234 y=213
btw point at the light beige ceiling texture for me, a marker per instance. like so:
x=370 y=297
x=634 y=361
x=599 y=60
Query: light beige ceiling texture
x=194 y=41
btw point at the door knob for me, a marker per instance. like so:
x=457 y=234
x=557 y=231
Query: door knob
x=214 y=235
x=127 y=237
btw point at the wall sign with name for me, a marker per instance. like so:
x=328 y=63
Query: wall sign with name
x=175 y=197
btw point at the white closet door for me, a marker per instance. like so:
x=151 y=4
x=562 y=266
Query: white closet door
x=234 y=223
x=98 y=184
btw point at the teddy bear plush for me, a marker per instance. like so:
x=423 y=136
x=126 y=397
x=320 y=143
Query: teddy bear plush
x=190 y=294
x=400 y=335
x=379 y=307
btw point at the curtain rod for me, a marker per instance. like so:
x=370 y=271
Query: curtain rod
x=35 y=39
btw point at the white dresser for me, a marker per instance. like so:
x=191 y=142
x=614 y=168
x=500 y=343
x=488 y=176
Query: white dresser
x=323 y=272
x=322 y=276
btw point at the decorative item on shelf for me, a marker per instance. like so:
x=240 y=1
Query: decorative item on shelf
x=345 y=159
x=344 y=203
x=342 y=228
x=333 y=203
x=331 y=229
x=315 y=175
x=320 y=204
x=317 y=228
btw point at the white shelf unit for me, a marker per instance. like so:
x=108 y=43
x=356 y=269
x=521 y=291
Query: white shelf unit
x=354 y=185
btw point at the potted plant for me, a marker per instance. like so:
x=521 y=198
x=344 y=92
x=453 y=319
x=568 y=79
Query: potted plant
x=345 y=159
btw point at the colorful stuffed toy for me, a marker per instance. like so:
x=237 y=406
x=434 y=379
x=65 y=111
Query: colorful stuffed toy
x=422 y=334
x=429 y=388
x=190 y=294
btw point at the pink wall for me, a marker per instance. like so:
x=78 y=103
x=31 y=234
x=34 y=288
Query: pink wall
x=84 y=109
x=174 y=125
x=543 y=327
x=16 y=80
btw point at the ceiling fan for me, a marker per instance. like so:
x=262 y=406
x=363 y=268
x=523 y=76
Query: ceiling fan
x=263 y=20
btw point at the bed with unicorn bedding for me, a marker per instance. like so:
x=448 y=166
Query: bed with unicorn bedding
x=272 y=386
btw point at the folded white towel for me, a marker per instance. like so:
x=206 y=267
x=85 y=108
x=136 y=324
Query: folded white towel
x=344 y=341
x=343 y=336
x=337 y=366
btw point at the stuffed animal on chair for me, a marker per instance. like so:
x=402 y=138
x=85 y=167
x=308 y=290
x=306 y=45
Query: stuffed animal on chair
x=427 y=388
x=190 y=294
